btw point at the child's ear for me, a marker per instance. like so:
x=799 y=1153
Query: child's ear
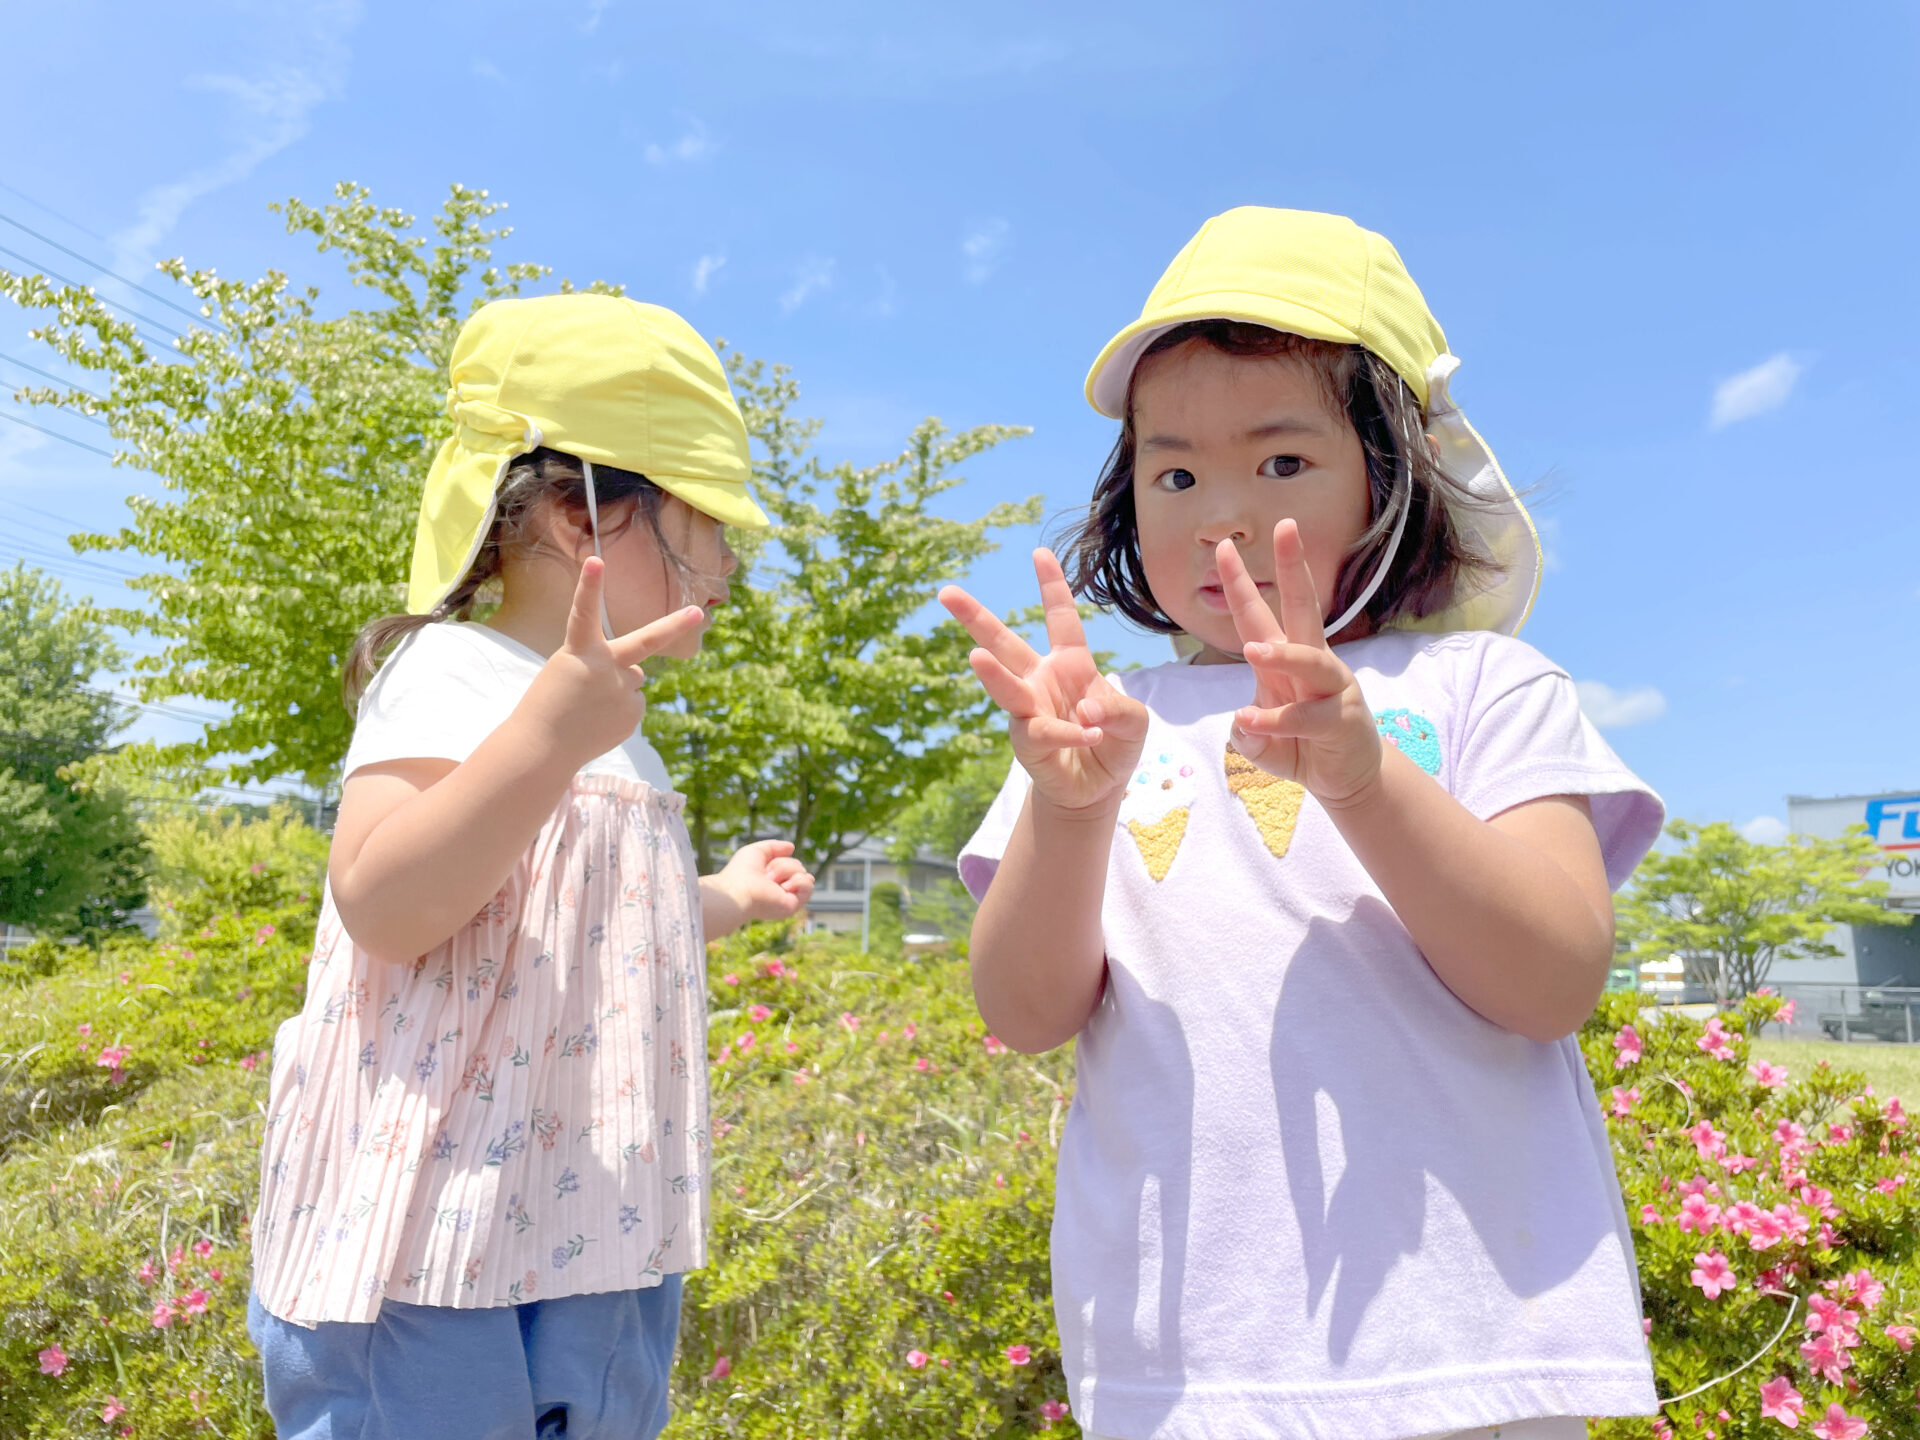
x=1433 y=447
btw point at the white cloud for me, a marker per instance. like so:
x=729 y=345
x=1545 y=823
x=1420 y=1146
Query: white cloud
x=814 y=275
x=981 y=249
x=694 y=144
x=1765 y=830
x=885 y=304
x=595 y=9
x=487 y=70
x=703 y=271
x=1754 y=392
x=275 y=108
x=1613 y=709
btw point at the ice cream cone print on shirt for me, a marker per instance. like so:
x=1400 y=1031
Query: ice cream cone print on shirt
x=1413 y=735
x=1158 y=803
x=1273 y=803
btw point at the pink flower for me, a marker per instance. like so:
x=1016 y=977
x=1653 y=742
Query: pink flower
x=195 y=1303
x=996 y=1046
x=1824 y=1315
x=203 y=1247
x=1739 y=1216
x=908 y=1031
x=1784 y=1016
x=112 y=1057
x=1839 y=1134
x=112 y=1410
x=917 y=1359
x=1626 y=1047
x=730 y=978
x=216 y=1277
x=1839 y=1425
x=1699 y=1213
x=849 y=1021
x=759 y=1014
x=725 y=1055
x=53 y=1361
x=1766 y=1231
x=249 y=1061
x=84 y=1028
x=1736 y=1164
x=148 y=1273
x=1890 y=1183
x=773 y=969
x=1716 y=1041
x=1858 y=1285
x=921 y=1064
x=800 y=1077
x=1018 y=1354
x=1712 y=1273
x=1624 y=1100
x=1708 y=1141
x=162 y=1315
x=1901 y=1335
x=1768 y=1076
x=1650 y=1215
x=1052 y=1410
x=792 y=1048
x=747 y=1041
x=722 y=1367
x=1780 y=1401
x=1825 y=1357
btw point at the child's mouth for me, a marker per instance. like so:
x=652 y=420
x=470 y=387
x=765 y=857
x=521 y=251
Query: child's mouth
x=1214 y=596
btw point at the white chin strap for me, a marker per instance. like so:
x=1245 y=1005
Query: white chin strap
x=593 y=522
x=1405 y=492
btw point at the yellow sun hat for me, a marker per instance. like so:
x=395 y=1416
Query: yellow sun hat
x=610 y=380
x=1324 y=277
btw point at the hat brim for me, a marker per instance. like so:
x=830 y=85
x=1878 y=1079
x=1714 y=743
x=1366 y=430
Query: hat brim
x=725 y=500
x=1107 y=381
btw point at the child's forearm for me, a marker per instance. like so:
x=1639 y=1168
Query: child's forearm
x=1512 y=914
x=1038 y=954
x=721 y=911
x=430 y=864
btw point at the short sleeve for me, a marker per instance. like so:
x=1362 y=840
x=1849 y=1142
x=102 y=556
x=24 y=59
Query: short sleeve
x=437 y=697
x=980 y=856
x=1525 y=738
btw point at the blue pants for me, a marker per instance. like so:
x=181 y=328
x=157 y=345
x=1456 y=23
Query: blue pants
x=589 y=1367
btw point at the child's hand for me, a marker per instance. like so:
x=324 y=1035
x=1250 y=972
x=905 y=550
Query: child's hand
x=586 y=698
x=1309 y=722
x=761 y=882
x=1075 y=734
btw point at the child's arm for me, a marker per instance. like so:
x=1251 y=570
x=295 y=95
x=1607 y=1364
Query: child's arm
x=1513 y=913
x=761 y=882
x=1038 y=954
x=421 y=845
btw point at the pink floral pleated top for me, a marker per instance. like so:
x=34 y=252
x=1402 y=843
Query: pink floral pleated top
x=521 y=1113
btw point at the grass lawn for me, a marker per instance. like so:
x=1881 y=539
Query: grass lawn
x=1893 y=1069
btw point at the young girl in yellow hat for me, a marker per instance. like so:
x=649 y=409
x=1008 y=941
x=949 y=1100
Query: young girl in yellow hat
x=487 y=1149
x=1324 y=902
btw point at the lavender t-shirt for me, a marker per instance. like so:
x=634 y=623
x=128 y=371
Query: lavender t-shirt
x=1303 y=1189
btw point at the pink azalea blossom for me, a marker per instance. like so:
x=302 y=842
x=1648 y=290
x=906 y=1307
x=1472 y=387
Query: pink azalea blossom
x=1052 y=1410
x=1766 y=1231
x=1018 y=1354
x=747 y=1041
x=195 y=1303
x=1739 y=1164
x=1712 y=1274
x=773 y=969
x=1839 y=1425
x=149 y=1272
x=1890 y=1183
x=792 y=1048
x=1829 y=1316
x=84 y=1028
x=53 y=1361
x=1626 y=1047
x=1859 y=1285
x=1699 y=1213
x=1901 y=1335
x=725 y=1055
x=162 y=1315
x=1708 y=1141
x=112 y=1410
x=1740 y=1216
x=759 y=1014
x=1784 y=1016
x=1839 y=1134
x=722 y=1367
x=849 y=1021
x=996 y=1046
x=1624 y=1099
x=908 y=1030
x=1767 y=1076
x=1716 y=1041
x=1820 y=1199
x=203 y=1247
x=1826 y=1358
x=1650 y=1215
x=917 y=1359
x=215 y=1275
x=249 y=1061
x=921 y=1064
x=800 y=1077
x=730 y=978
x=1780 y=1401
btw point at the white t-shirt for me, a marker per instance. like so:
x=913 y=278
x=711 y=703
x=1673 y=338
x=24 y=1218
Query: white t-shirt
x=1303 y=1189
x=447 y=686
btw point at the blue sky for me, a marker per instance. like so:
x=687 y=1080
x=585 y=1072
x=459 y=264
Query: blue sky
x=1672 y=245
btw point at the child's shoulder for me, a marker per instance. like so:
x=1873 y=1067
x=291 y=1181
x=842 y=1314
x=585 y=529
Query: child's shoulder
x=1455 y=660
x=450 y=655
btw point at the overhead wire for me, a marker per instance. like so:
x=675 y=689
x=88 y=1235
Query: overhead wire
x=79 y=285
x=132 y=284
x=49 y=375
x=55 y=434
x=42 y=206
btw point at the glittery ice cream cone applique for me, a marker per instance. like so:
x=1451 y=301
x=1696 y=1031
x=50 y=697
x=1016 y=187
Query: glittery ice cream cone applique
x=1414 y=736
x=1158 y=803
x=1273 y=803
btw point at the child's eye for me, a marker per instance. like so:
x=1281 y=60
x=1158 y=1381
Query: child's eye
x=1282 y=467
x=1175 y=480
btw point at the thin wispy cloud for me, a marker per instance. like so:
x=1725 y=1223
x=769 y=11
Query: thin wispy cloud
x=595 y=10
x=981 y=250
x=694 y=143
x=813 y=276
x=883 y=305
x=704 y=269
x=274 y=107
x=487 y=70
x=1612 y=709
x=1754 y=392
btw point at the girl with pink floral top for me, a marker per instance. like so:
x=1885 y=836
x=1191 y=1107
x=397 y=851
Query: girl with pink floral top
x=485 y=1167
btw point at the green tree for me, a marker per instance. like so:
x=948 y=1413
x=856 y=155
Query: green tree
x=1730 y=907
x=814 y=709
x=293 y=444
x=69 y=853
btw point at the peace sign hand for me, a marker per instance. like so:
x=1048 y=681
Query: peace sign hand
x=1309 y=722
x=586 y=699
x=1074 y=733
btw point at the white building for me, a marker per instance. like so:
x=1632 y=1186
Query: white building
x=843 y=895
x=1869 y=954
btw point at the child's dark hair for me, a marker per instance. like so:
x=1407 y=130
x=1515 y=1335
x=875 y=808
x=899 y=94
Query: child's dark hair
x=533 y=479
x=1438 y=560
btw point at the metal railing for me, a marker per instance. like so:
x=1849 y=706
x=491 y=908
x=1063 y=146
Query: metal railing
x=1824 y=1010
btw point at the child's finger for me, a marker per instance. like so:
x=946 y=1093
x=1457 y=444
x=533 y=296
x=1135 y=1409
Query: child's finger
x=1046 y=732
x=1308 y=670
x=636 y=645
x=1303 y=720
x=583 y=620
x=1300 y=615
x=989 y=631
x=1003 y=687
x=1253 y=620
x=1064 y=630
x=1117 y=715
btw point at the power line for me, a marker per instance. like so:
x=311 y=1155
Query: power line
x=44 y=240
x=63 y=219
x=49 y=375
x=68 y=280
x=56 y=435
